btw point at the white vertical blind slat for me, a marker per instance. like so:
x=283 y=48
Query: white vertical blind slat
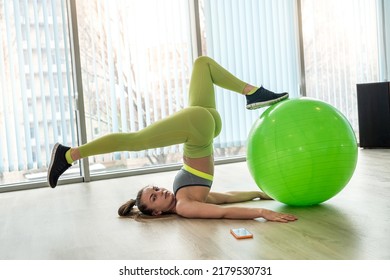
x=13 y=130
x=21 y=92
x=58 y=74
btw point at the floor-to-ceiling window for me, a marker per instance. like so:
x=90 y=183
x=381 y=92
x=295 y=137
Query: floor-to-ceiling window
x=136 y=59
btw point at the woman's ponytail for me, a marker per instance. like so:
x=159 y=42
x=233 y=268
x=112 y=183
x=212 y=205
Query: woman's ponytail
x=126 y=209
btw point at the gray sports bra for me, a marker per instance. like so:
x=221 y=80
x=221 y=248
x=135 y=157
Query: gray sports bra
x=186 y=178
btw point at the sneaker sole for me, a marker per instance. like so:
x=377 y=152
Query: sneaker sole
x=53 y=155
x=258 y=105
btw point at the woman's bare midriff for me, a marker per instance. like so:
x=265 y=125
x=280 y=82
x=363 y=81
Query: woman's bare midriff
x=204 y=164
x=196 y=193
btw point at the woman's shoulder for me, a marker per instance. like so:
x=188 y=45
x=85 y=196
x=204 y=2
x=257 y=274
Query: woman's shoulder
x=192 y=193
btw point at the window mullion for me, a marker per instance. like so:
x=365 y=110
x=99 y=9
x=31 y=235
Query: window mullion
x=78 y=85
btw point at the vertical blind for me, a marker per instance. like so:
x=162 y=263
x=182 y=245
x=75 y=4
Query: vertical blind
x=341 y=50
x=256 y=41
x=36 y=85
x=136 y=63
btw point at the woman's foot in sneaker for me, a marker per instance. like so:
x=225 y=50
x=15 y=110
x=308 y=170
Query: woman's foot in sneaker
x=58 y=164
x=263 y=97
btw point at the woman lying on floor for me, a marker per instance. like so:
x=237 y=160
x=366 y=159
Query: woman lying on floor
x=195 y=126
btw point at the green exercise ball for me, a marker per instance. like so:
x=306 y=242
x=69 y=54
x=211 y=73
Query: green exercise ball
x=301 y=152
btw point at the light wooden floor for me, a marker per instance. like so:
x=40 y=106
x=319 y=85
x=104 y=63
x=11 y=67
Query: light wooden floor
x=80 y=222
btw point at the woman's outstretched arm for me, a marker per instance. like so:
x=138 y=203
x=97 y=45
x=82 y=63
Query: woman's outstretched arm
x=195 y=209
x=235 y=196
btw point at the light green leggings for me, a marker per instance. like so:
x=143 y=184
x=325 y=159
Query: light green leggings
x=195 y=126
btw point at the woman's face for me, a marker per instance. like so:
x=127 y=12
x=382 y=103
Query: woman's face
x=159 y=199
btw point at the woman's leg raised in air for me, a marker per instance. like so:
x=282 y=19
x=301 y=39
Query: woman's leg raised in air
x=207 y=72
x=193 y=126
x=174 y=129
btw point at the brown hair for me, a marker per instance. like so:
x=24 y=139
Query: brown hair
x=127 y=208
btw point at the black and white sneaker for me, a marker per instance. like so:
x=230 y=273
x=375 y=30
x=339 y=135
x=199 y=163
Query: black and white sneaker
x=58 y=164
x=263 y=97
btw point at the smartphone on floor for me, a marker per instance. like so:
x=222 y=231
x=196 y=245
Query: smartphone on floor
x=241 y=233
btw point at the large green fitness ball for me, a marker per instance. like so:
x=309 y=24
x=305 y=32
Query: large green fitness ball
x=301 y=151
